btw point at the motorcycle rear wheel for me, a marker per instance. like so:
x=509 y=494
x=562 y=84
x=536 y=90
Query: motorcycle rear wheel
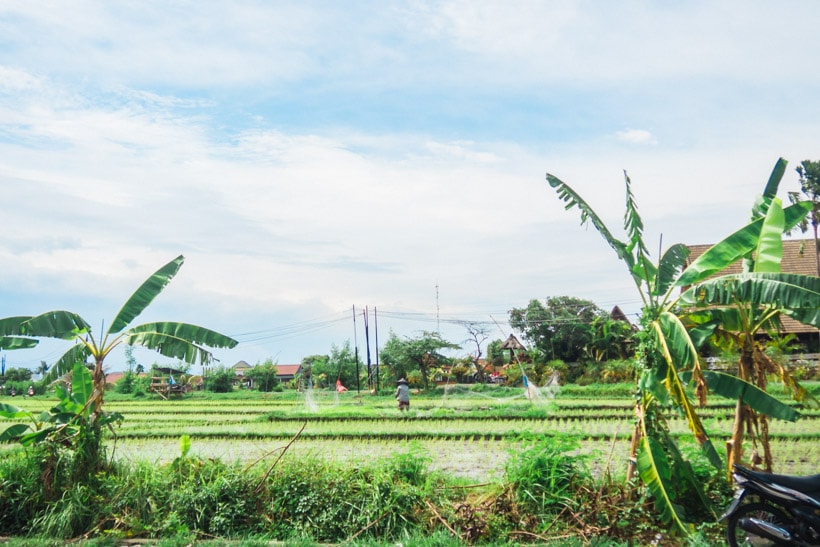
x=738 y=537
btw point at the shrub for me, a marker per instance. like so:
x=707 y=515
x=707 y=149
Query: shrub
x=220 y=380
x=545 y=473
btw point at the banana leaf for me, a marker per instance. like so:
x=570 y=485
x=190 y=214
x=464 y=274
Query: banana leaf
x=17 y=342
x=736 y=246
x=77 y=353
x=145 y=294
x=183 y=331
x=769 y=252
x=670 y=267
x=655 y=473
x=732 y=387
x=778 y=290
x=679 y=352
x=81 y=385
x=179 y=340
x=59 y=324
x=572 y=199
x=13 y=412
x=807 y=316
x=13 y=432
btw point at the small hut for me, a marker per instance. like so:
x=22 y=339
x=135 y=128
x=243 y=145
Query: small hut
x=512 y=344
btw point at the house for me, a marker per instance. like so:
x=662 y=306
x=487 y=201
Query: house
x=798 y=258
x=286 y=373
x=241 y=367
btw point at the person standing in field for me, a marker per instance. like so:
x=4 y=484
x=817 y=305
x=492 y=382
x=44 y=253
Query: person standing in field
x=403 y=394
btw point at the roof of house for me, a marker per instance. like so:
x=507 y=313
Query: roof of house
x=798 y=258
x=288 y=370
x=241 y=364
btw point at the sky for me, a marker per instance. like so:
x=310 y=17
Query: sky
x=308 y=157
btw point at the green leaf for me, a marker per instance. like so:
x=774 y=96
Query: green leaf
x=670 y=267
x=76 y=354
x=776 y=290
x=13 y=432
x=737 y=245
x=655 y=473
x=13 y=412
x=178 y=340
x=807 y=316
x=733 y=387
x=774 y=179
x=55 y=324
x=632 y=220
x=769 y=252
x=11 y=325
x=184 y=445
x=81 y=384
x=9 y=334
x=572 y=199
x=145 y=294
x=679 y=352
x=17 y=342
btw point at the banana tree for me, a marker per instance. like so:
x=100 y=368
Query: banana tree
x=184 y=341
x=738 y=308
x=665 y=348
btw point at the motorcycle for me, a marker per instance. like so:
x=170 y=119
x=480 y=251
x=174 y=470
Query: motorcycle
x=771 y=509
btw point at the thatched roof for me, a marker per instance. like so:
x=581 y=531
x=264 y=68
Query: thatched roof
x=512 y=343
x=798 y=258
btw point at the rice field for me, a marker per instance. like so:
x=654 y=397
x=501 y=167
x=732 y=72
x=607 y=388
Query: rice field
x=465 y=434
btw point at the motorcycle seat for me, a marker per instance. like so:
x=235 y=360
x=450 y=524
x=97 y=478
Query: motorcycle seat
x=808 y=485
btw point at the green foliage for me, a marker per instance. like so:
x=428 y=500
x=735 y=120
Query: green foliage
x=16 y=375
x=546 y=473
x=220 y=380
x=127 y=383
x=561 y=327
x=264 y=376
x=402 y=357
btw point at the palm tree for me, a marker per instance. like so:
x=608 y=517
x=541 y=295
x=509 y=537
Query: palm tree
x=665 y=348
x=183 y=341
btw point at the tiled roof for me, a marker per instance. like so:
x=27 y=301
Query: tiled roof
x=798 y=258
x=287 y=370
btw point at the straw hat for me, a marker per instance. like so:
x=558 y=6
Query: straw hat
x=401 y=381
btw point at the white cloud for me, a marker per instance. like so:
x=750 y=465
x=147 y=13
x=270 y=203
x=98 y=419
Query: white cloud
x=307 y=158
x=636 y=136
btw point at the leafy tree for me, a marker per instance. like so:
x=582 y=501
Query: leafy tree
x=738 y=308
x=17 y=375
x=665 y=347
x=495 y=355
x=611 y=339
x=341 y=365
x=220 y=380
x=402 y=357
x=561 y=327
x=265 y=376
x=178 y=340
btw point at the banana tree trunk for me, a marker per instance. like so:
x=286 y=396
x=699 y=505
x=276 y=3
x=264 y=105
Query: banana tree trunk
x=636 y=442
x=743 y=414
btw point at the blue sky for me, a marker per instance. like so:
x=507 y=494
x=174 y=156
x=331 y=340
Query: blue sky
x=306 y=157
